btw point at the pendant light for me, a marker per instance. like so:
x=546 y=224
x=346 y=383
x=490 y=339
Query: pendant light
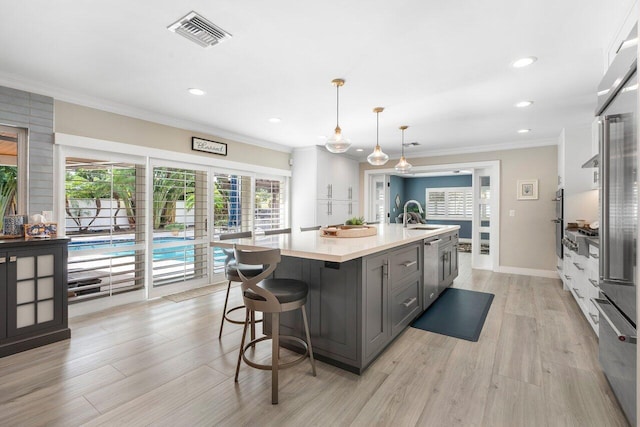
x=378 y=157
x=403 y=166
x=337 y=143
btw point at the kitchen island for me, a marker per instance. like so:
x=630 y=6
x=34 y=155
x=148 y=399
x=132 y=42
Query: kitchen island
x=363 y=292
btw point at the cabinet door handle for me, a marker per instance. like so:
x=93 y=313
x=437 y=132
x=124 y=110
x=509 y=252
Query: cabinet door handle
x=567 y=277
x=328 y=211
x=410 y=301
x=433 y=242
x=578 y=266
x=385 y=268
x=594 y=317
x=577 y=293
x=13 y=259
x=409 y=263
x=596 y=256
x=594 y=283
x=330 y=190
x=3 y=260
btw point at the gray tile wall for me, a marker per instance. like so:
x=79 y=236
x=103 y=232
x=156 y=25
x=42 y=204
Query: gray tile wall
x=35 y=113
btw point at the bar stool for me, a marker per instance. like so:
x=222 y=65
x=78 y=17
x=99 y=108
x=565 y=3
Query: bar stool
x=272 y=296
x=231 y=268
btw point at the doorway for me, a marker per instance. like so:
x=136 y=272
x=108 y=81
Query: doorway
x=464 y=194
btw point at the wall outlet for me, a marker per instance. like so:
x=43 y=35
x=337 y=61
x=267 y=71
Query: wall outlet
x=512 y=212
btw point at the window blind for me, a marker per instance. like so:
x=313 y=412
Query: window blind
x=450 y=203
x=232 y=199
x=270 y=204
x=104 y=204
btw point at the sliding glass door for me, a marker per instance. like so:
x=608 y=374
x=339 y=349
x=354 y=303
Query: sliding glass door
x=104 y=206
x=178 y=258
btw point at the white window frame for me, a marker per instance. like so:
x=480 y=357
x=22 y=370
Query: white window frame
x=66 y=145
x=468 y=195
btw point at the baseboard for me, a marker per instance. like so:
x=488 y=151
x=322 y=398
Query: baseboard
x=551 y=274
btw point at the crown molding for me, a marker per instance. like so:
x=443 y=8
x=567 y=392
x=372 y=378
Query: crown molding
x=515 y=145
x=129 y=111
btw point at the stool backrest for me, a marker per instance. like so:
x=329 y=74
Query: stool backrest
x=277 y=231
x=268 y=259
x=228 y=236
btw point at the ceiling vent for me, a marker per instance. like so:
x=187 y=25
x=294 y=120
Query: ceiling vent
x=199 y=30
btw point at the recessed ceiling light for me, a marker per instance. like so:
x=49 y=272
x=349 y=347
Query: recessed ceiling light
x=524 y=130
x=196 y=91
x=523 y=62
x=274 y=120
x=359 y=150
x=523 y=104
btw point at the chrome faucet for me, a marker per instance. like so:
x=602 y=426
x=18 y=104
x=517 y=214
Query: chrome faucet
x=404 y=217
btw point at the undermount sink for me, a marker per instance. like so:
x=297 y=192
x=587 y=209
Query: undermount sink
x=427 y=227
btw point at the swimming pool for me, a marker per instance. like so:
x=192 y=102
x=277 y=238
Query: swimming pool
x=182 y=253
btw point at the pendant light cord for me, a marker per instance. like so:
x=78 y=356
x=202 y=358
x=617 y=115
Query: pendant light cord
x=402 y=142
x=337 y=106
x=377 y=129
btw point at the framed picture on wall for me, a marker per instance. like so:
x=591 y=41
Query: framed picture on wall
x=527 y=189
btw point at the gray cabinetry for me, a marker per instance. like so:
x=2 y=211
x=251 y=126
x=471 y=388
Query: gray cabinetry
x=33 y=294
x=448 y=261
x=392 y=296
x=377 y=331
x=3 y=301
x=357 y=307
x=331 y=306
x=405 y=304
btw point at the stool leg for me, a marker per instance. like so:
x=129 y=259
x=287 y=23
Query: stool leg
x=224 y=310
x=275 y=338
x=244 y=335
x=306 y=330
x=253 y=325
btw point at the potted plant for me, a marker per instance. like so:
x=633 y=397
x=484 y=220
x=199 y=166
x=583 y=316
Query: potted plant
x=174 y=227
x=354 y=222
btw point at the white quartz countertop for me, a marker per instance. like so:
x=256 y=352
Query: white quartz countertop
x=310 y=245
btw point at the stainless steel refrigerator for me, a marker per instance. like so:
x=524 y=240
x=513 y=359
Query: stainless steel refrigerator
x=617 y=105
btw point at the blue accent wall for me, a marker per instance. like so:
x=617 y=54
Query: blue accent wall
x=415 y=189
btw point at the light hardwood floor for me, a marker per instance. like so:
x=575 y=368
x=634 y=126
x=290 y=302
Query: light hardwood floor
x=161 y=363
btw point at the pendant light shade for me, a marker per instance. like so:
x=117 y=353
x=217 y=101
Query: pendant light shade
x=403 y=166
x=337 y=143
x=378 y=157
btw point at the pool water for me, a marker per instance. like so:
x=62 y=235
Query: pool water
x=182 y=253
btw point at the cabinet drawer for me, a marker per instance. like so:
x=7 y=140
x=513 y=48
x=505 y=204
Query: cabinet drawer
x=403 y=263
x=405 y=305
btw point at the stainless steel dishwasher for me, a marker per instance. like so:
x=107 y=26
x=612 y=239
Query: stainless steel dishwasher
x=432 y=256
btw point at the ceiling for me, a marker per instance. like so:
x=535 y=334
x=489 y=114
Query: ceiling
x=443 y=68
